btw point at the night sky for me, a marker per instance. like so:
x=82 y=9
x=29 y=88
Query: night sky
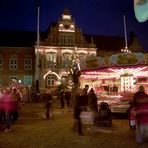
x=102 y=17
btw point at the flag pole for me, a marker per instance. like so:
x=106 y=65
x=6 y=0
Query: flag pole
x=38 y=43
x=125 y=32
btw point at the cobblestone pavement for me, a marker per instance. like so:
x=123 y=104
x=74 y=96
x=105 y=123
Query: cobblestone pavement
x=32 y=130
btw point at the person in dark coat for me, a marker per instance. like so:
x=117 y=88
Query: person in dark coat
x=68 y=97
x=62 y=97
x=140 y=103
x=16 y=103
x=85 y=93
x=48 y=103
x=78 y=108
x=92 y=101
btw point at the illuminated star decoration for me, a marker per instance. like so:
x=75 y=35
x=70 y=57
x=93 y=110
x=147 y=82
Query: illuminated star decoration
x=141 y=10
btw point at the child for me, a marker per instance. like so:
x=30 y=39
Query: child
x=132 y=118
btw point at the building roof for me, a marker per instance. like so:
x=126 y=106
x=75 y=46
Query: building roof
x=111 y=43
x=12 y=38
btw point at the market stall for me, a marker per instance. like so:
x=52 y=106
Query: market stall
x=115 y=79
x=116 y=84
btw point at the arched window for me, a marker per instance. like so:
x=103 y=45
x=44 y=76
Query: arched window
x=82 y=58
x=51 y=59
x=50 y=80
x=66 y=59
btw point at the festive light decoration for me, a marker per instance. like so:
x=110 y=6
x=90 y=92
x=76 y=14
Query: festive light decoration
x=125 y=75
x=125 y=50
x=54 y=73
x=75 y=64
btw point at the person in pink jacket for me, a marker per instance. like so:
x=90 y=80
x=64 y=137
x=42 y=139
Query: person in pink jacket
x=8 y=108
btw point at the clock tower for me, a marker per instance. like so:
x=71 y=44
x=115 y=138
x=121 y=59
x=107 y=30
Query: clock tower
x=66 y=23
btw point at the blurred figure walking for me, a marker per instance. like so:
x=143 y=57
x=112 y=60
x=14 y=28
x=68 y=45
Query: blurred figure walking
x=140 y=102
x=68 y=97
x=48 y=104
x=16 y=104
x=78 y=108
x=62 y=97
x=92 y=103
x=85 y=94
x=8 y=109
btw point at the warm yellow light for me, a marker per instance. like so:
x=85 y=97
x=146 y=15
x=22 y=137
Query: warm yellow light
x=82 y=51
x=66 y=51
x=51 y=50
x=61 y=25
x=54 y=73
x=67 y=30
x=72 y=26
x=66 y=17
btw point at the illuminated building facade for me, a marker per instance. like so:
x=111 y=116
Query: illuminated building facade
x=56 y=50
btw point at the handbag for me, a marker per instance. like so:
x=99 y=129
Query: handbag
x=87 y=117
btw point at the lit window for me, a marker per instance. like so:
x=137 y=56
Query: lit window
x=66 y=59
x=51 y=59
x=13 y=64
x=66 y=40
x=82 y=58
x=28 y=64
x=27 y=80
x=50 y=80
x=13 y=80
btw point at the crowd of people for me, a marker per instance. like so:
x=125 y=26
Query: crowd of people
x=138 y=115
x=81 y=100
x=85 y=100
x=10 y=107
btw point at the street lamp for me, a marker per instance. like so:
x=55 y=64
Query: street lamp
x=125 y=50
